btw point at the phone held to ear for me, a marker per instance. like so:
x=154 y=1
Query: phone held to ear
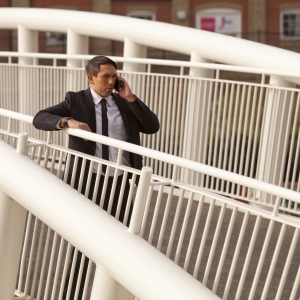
x=118 y=85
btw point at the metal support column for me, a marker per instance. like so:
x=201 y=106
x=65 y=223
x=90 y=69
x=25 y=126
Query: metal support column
x=12 y=226
x=197 y=114
x=273 y=130
x=134 y=50
x=140 y=201
x=76 y=44
x=104 y=287
x=27 y=43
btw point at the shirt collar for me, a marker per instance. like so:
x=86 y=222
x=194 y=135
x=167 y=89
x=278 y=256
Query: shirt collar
x=97 y=98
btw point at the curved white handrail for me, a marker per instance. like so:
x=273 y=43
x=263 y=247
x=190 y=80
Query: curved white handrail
x=148 y=272
x=159 y=62
x=172 y=159
x=211 y=46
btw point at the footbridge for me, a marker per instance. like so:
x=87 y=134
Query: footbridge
x=216 y=212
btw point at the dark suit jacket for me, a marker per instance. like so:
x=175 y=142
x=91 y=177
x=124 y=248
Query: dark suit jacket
x=137 y=117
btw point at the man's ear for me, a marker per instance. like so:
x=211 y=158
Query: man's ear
x=90 y=78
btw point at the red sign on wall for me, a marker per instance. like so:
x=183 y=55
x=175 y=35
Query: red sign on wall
x=208 y=24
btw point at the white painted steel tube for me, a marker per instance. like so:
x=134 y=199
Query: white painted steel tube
x=139 y=267
x=22 y=143
x=155 y=215
x=287 y=263
x=204 y=237
x=104 y=287
x=151 y=61
x=175 y=223
x=12 y=221
x=262 y=259
x=214 y=244
x=274 y=261
x=183 y=228
x=27 y=42
x=193 y=235
x=140 y=201
x=165 y=218
x=236 y=255
x=132 y=49
x=224 y=249
x=248 y=257
x=76 y=44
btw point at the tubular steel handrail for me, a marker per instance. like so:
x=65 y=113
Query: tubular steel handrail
x=60 y=208
x=151 y=61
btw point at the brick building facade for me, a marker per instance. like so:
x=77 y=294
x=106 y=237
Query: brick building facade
x=274 y=22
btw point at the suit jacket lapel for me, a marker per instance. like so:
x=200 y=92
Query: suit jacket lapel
x=90 y=109
x=123 y=111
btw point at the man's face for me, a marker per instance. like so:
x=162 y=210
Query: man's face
x=104 y=82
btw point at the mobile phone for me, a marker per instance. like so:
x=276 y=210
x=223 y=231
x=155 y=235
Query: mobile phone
x=118 y=85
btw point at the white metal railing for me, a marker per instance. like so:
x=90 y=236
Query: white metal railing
x=61 y=208
x=182 y=67
x=184 y=166
x=224 y=123
x=218 y=240
x=201 y=45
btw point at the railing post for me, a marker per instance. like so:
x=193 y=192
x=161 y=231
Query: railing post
x=273 y=132
x=197 y=113
x=13 y=221
x=200 y=72
x=134 y=50
x=104 y=286
x=140 y=201
x=22 y=143
x=76 y=44
x=27 y=43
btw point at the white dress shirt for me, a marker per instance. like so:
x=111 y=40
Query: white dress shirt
x=116 y=130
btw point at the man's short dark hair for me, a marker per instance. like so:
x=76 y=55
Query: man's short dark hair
x=94 y=64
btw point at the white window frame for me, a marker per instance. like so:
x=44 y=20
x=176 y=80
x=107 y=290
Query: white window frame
x=218 y=12
x=285 y=12
x=146 y=14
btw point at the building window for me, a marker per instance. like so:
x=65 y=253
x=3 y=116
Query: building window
x=220 y=20
x=56 y=38
x=142 y=15
x=290 y=25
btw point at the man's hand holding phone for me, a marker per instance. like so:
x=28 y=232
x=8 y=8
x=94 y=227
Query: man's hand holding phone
x=124 y=90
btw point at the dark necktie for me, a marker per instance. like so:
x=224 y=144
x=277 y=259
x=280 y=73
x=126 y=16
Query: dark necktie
x=104 y=129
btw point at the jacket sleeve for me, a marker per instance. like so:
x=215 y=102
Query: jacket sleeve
x=148 y=120
x=48 y=118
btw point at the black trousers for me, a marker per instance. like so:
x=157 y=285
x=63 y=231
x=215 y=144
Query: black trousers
x=114 y=206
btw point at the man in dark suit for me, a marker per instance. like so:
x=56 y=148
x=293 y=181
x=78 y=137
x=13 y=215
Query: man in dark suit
x=126 y=116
